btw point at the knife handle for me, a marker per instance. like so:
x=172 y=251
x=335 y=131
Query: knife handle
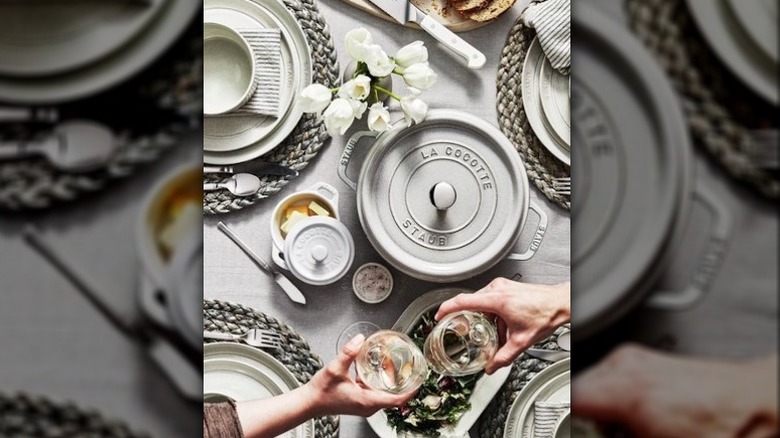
x=217 y=169
x=244 y=247
x=475 y=58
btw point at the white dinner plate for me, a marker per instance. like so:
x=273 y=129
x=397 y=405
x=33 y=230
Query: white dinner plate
x=231 y=140
x=103 y=73
x=532 y=103
x=47 y=38
x=552 y=384
x=485 y=389
x=240 y=372
x=759 y=19
x=555 y=96
x=735 y=48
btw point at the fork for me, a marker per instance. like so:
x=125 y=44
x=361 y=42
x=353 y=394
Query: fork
x=562 y=186
x=762 y=148
x=255 y=337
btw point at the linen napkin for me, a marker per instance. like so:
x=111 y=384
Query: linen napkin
x=267 y=47
x=552 y=21
x=546 y=416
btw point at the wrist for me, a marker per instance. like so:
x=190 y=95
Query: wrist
x=312 y=398
x=561 y=312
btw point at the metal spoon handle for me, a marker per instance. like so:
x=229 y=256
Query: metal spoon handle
x=210 y=187
x=15 y=149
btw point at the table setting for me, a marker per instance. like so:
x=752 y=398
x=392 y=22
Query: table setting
x=58 y=141
x=412 y=198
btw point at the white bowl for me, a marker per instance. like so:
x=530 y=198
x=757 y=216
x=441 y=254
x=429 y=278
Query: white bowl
x=228 y=69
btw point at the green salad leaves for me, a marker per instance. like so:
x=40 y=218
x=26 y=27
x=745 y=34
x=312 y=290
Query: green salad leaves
x=442 y=400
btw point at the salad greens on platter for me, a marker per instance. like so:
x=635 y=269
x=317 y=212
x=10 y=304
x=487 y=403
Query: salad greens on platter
x=441 y=401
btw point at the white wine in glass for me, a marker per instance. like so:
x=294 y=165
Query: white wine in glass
x=389 y=361
x=462 y=343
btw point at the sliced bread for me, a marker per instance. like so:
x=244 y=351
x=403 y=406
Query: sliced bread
x=468 y=5
x=491 y=11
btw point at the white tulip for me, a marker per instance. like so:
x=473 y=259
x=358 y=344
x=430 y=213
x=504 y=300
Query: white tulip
x=414 y=109
x=357 y=40
x=358 y=108
x=378 y=118
x=410 y=54
x=315 y=98
x=420 y=76
x=338 y=116
x=379 y=64
x=357 y=88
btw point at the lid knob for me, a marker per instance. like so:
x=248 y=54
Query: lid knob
x=443 y=195
x=319 y=253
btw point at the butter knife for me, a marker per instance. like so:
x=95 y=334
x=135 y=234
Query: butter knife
x=547 y=355
x=280 y=279
x=258 y=168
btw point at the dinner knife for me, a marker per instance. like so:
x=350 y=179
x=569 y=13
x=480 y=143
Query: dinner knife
x=280 y=279
x=258 y=168
x=548 y=355
x=403 y=12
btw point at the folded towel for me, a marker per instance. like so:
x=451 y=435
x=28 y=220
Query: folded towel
x=267 y=47
x=552 y=21
x=546 y=416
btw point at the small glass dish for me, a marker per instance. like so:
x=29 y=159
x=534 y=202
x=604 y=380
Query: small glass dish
x=372 y=283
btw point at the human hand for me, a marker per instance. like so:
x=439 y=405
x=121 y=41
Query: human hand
x=333 y=391
x=658 y=395
x=525 y=314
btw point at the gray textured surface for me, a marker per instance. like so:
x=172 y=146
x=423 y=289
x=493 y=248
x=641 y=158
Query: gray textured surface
x=54 y=343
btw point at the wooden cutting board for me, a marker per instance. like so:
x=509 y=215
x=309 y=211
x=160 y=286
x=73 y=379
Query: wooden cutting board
x=434 y=8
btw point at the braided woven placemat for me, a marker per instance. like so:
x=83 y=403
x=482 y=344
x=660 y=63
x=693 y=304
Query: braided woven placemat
x=296 y=355
x=542 y=166
x=492 y=421
x=168 y=94
x=309 y=136
x=720 y=110
x=25 y=416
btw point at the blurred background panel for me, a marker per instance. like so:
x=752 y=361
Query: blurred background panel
x=100 y=217
x=674 y=205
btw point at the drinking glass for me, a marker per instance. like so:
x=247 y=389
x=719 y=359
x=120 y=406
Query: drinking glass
x=389 y=361
x=461 y=344
x=364 y=328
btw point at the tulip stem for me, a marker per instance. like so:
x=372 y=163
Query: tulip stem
x=388 y=92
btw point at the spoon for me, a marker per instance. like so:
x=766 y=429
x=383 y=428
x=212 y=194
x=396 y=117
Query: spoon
x=564 y=341
x=240 y=184
x=74 y=146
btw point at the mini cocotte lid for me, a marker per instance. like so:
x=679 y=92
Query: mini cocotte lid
x=319 y=250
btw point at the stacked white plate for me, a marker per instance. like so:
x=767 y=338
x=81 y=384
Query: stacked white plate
x=55 y=52
x=241 y=373
x=553 y=384
x=743 y=34
x=238 y=138
x=546 y=95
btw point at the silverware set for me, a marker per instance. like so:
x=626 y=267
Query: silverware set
x=245 y=179
x=257 y=338
x=562 y=186
x=74 y=146
x=563 y=341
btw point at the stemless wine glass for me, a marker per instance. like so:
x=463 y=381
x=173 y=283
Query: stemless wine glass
x=389 y=361
x=364 y=328
x=461 y=344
